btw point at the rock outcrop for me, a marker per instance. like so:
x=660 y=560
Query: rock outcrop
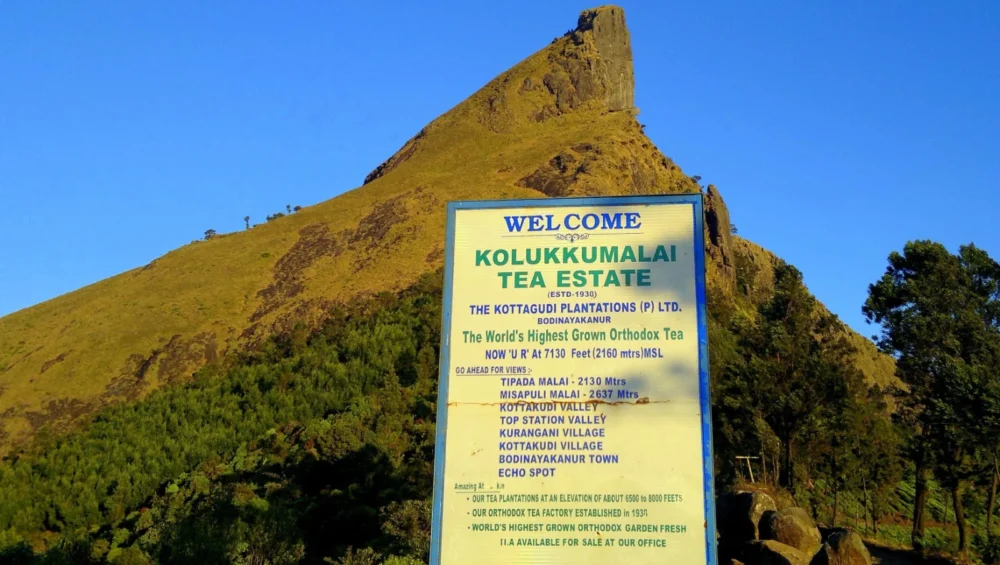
x=720 y=237
x=594 y=67
x=770 y=552
x=793 y=527
x=752 y=531
x=740 y=513
x=843 y=548
x=613 y=73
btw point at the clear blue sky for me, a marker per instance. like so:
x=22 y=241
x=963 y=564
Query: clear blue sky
x=835 y=131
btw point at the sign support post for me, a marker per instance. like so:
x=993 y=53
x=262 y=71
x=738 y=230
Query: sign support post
x=574 y=418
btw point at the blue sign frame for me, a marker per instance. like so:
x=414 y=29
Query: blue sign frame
x=697 y=207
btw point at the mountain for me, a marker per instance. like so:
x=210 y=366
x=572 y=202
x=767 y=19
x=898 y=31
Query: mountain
x=561 y=122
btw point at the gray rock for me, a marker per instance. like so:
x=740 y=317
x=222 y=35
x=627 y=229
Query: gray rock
x=770 y=552
x=613 y=71
x=720 y=237
x=843 y=548
x=794 y=527
x=739 y=514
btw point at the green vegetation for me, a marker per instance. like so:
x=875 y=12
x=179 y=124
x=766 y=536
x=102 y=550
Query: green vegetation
x=318 y=447
x=940 y=314
x=323 y=441
x=326 y=442
x=787 y=390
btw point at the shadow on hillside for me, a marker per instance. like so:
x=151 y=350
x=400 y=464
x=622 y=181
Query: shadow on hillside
x=313 y=499
x=321 y=507
x=891 y=556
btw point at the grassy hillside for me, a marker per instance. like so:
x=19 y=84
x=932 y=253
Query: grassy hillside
x=561 y=122
x=316 y=442
x=755 y=263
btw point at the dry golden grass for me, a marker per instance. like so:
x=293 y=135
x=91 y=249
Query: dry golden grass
x=127 y=335
x=131 y=333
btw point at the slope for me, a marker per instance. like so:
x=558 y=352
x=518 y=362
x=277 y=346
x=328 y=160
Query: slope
x=562 y=122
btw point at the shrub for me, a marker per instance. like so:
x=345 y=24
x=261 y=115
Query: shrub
x=988 y=548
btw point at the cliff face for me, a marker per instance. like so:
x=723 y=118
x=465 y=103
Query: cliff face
x=719 y=228
x=613 y=71
x=561 y=122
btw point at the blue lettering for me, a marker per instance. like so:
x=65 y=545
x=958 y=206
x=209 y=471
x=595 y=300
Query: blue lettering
x=573 y=222
x=514 y=223
x=612 y=221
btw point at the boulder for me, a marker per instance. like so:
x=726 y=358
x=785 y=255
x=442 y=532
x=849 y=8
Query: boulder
x=731 y=552
x=770 y=552
x=842 y=548
x=738 y=515
x=826 y=531
x=791 y=526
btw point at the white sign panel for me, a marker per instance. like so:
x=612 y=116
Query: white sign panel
x=573 y=409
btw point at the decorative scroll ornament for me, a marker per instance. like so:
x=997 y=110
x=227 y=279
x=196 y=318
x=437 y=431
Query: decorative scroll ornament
x=572 y=237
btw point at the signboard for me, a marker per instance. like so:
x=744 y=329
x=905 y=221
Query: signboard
x=574 y=421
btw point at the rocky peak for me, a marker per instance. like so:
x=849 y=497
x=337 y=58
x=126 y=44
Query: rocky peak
x=717 y=218
x=589 y=69
x=718 y=225
x=606 y=26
